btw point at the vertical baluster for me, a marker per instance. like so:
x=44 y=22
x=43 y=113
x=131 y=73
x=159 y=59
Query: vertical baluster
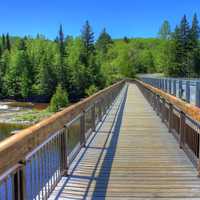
x=64 y=154
x=174 y=87
x=82 y=135
x=182 y=129
x=170 y=116
x=163 y=109
x=170 y=86
x=93 y=117
x=180 y=90
x=20 y=183
x=187 y=92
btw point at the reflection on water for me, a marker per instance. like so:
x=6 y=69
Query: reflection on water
x=7 y=129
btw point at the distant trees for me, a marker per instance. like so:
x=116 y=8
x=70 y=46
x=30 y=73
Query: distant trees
x=185 y=49
x=165 y=31
x=35 y=67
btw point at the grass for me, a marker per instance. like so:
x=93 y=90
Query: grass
x=33 y=116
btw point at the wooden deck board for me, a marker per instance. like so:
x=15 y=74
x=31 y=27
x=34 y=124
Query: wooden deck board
x=131 y=156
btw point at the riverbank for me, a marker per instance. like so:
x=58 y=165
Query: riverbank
x=25 y=117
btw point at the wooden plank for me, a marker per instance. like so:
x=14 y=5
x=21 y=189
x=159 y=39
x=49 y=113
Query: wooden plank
x=134 y=157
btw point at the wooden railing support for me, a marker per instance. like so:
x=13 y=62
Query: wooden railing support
x=163 y=109
x=19 y=183
x=182 y=129
x=93 y=117
x=82 y=135
x=170 y=117
x=187 y=92
x=174 y=87
x=64 y=152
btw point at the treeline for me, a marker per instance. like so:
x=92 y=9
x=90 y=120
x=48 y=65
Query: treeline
x=32 y=67
x=35 y=67
x=182 y=51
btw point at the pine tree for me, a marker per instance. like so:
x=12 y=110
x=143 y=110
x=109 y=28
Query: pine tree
x=8 y=44
x=165 y=31
x=195 y=47
x=3 y=42
x=62 y=71
x=88 y=39
x=103 y=42
x=185 y=33
x=61 y=39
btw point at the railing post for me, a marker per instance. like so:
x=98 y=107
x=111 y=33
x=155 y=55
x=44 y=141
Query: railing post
x=187 y=92
x=93 y=117
x=19 y=183
x=63 y=150
x=174 y=87
x=82 y=135
x=170 y=116
x=182 y=129
x=198 y=93
x=180 y=90
x=100 y=111
x=170 y=86
x=163 y=110
x=157 y=104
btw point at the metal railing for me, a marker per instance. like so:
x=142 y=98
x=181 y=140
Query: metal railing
x=185 y=89
x=36 y=175
x=185 y=129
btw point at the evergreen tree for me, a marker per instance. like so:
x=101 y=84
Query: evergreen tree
x=3 y=42
x=126 y=39
x=87 y=36
x=195 y=46
x=195 y=32
x=62 y=71
x=8 y=44
x=103 y=42
x=165 y=31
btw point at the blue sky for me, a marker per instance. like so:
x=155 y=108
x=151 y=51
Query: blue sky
x=133 y=18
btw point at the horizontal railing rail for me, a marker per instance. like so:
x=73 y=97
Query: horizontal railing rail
x=181 y=118
x=34 y=160
x=185 y=89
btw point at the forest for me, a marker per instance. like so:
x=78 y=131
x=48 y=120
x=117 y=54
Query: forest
x=33 y=67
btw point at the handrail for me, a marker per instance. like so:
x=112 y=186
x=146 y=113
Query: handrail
x=181 y=88
x=189 y=109
x=31 y=141
x=181 y=118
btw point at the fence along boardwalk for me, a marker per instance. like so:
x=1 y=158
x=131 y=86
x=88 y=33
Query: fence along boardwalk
x=131 y=156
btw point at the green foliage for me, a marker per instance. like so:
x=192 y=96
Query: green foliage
x=185 y=49
x=165 y=31
x=33 y=67
x=59 y=99
x=91 y=90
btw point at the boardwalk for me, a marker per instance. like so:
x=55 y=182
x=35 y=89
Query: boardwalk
x=131 y=156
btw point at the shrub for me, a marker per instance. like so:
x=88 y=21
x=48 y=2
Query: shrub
x=91 y=90
x=59 y=99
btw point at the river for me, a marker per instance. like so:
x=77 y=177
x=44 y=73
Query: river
x=9 y=109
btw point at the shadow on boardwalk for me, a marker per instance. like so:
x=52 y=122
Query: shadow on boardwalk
x=105 y=158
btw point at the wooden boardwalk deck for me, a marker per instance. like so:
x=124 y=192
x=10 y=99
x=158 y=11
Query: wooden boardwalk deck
x=131 y=156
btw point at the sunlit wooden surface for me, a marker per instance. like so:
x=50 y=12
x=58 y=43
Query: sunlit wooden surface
x=131 y=156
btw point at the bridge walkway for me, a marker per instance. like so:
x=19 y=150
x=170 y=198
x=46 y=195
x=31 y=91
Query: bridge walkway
x=130 y=156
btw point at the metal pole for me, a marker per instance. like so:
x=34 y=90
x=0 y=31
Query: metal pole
x=174 y=87
x=187 y=92
x=182 y=129
x=170 y=117
x=180 y=92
